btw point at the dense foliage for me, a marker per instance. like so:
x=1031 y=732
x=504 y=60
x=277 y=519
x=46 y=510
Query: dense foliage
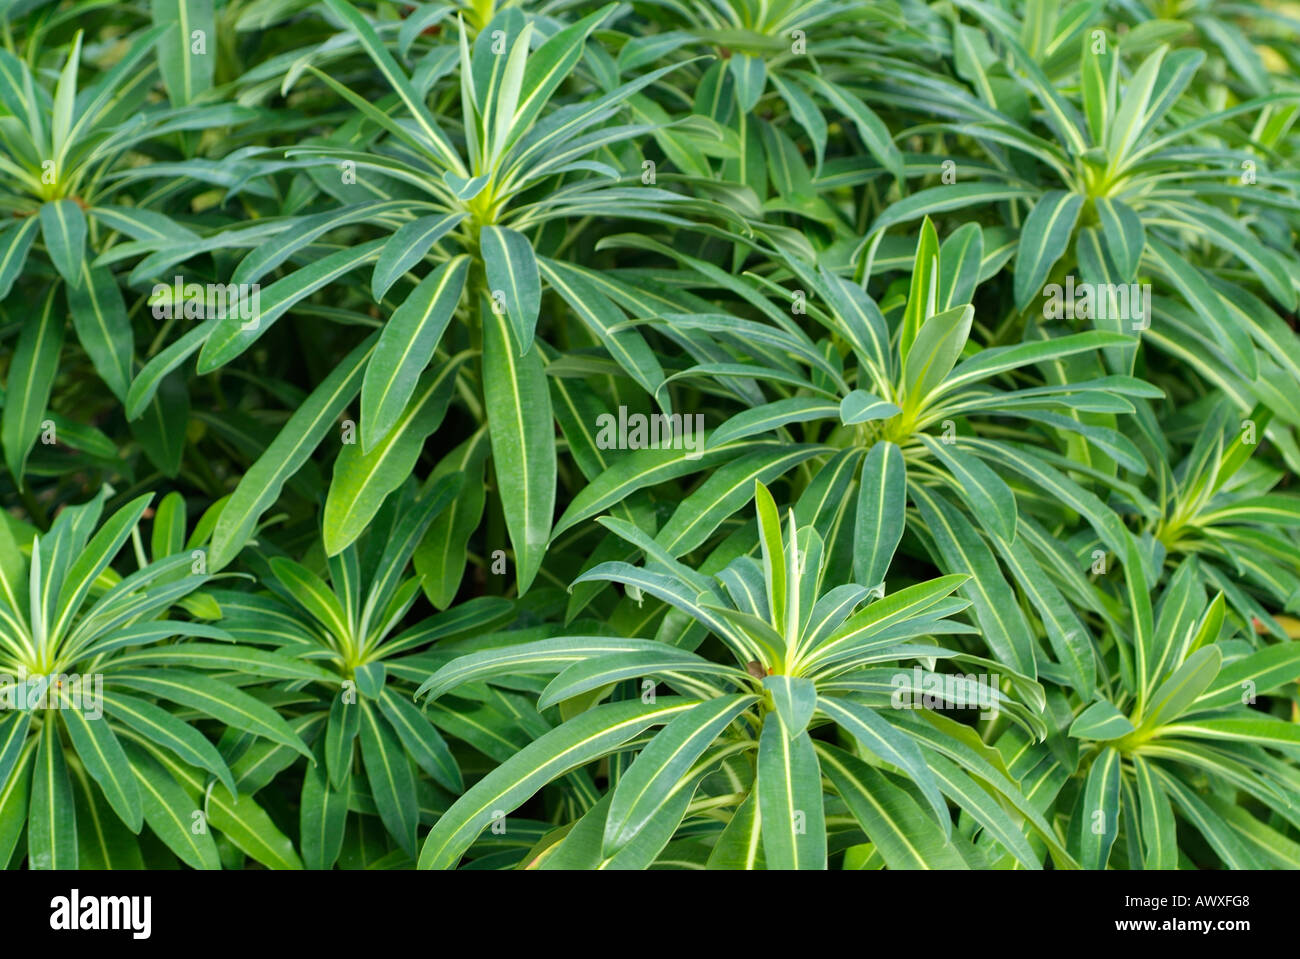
x=719 y=434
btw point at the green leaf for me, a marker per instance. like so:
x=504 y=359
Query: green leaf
x=187 y=73
x=903 y=834
x=363 y=480
x=1176 y=694
x=1043 y=238
x=986 y=494
x=15 y=244
x=99 y=317
x=261 y=485
x=649 y=782
x=214 y=698
x=103 y=758
x=1101 y=720
x=52 y=819
x=1001 y=621
x=1100 y=810
x=859 y=406
x=170 y=812
x=790 y=798
x=882 y=502
x=162 y=728
x=389 y=773
x=407 y=247
x=931 y=357
x=31 y=378
x=514 y=283
x=63 y=228
x=233 y=334
x=1122 y=234
x=1159 y=833
x=523 y=442
x=405 y=346
x=421 y=741
x=582 y=739
x=890 y=744
x=248 y=826
x=322 y=816
x=795 y=699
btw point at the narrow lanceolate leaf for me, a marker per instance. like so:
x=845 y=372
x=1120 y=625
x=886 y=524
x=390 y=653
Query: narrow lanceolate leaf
x=322 y=816
x=295 y=442
x=407 y=247
x=247 y=825
x=1260 y=672
x=1122 y=234
x=601 y=671
x=364 y=479
x=395 y=78
x=1043 y=238
x=1001 y=621
x=651 y=779
x=31 y=377
x=440 y=558
x=163 y=729
x=903 y=834
x=1138 y=594
x=1101 y=720
x=1192 y=286
x=1175 y=695
x=388 y=772
x=13 y=739
x=235 y=333
x=740 y=845
x=986 y=494
x=582 y=739
x=514 y=283
x=890 y=744
x=1100 y=810
x=186 y=69
x=340 y=733
x=15 y=244
x=101 y=754
x=931 y=357
x=215 y=698
x=63 y=228
x=422 y=741
x=882 y=502
x=170 y=812
x=1159 y=832
x=790 y=799
x=52 y=817
x=103 y=328
x=405 y=347
x=523 y=442
x=542 y=657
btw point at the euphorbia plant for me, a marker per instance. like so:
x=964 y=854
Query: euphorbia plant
x=737 y=748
